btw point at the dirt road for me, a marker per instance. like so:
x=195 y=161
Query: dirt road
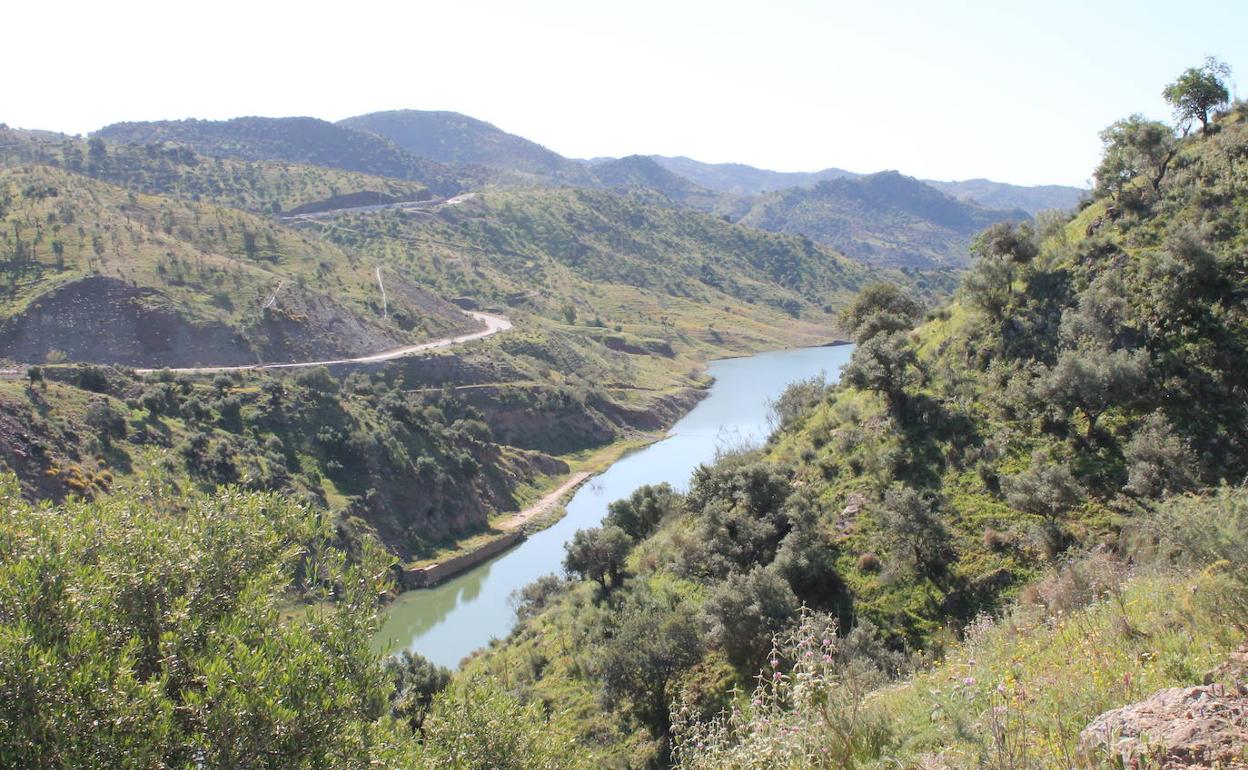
x=493 y=325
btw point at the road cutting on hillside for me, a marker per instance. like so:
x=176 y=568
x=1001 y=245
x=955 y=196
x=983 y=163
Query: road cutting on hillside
x=493 y=325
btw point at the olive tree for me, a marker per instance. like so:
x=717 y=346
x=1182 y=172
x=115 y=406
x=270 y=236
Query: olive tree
x=1159 y=461
x=639 y=514
x=1133 y=147
x=912 y=528
x=1047 y=488
x=598 y=554
x=1091 y=380
x=1198 y=91
x=886 y=364
x=878 y=309
x=746 y=610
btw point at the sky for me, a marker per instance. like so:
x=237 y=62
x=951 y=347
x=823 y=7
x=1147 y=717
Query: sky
x=955 y=89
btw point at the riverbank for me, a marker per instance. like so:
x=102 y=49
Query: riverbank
x=447 y=622
x=511 y=529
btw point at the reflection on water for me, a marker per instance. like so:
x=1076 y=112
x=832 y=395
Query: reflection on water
x=447 y=622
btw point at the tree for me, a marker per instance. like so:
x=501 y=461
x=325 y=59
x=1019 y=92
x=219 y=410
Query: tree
x=479 y=726
x=1198 y=91
x=1091 y=380
x=1134 y=146
x=880 y=308
x=911 y=526
x=999 y=251
x=746 y=610
x=886 y=364
x=107 y=422
x=651 y=645
x=158 y=631
x=640 y=513
x=597 y=554
x=416 y=681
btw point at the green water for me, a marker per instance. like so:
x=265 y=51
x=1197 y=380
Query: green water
x=449 y=621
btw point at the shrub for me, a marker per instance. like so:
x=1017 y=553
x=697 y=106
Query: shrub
x=1046 y=488
x=1159 y=461
x=869 y=562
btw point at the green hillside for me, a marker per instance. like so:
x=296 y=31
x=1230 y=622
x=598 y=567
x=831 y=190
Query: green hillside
x=177 y=171
x=300 y=140
x=604 y=260
x=100 y=273
x=1044 y=429
x=882 y=219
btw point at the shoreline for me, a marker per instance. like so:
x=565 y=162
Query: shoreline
x=547 y=511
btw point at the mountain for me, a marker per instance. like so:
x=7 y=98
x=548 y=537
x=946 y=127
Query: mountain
x=104 y=274
x=450 y=137
x=300 y=140
x=640 y=172
x=882 y=219
x=740 y=179
x=176 y=170
x=998 y=195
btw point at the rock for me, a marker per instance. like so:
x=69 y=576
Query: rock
x=1176 y=729
x=1232 y=672
x=849 y=515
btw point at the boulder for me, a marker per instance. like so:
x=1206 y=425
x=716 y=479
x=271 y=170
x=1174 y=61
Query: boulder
x=1176 y=729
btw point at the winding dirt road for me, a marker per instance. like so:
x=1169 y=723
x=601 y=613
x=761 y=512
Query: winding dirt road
x=493 y=325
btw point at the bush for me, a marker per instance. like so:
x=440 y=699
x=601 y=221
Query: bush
x=1159 y=461
x=1046 y=488
x=806 y=711
x=747 y=610
x=145 y=633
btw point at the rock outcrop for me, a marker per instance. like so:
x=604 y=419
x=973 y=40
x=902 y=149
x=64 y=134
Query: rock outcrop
x=1180 y=728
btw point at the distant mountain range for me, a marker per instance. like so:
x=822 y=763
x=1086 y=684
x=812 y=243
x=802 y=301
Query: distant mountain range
x=884 y=218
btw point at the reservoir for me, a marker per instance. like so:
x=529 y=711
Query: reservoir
x=447 y=622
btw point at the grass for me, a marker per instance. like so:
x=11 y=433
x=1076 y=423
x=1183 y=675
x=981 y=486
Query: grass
x=1036 y=679
x=1014 y=695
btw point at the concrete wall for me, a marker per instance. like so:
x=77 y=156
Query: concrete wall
x=425 y=577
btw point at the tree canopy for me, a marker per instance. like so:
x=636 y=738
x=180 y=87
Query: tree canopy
x=1198 y=91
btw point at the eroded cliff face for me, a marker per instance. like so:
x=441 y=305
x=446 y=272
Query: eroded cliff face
x=106 y=320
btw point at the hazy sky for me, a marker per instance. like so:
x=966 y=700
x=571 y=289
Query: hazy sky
x=937 y=89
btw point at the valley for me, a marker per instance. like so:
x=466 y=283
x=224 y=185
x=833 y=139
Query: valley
x=399 y=440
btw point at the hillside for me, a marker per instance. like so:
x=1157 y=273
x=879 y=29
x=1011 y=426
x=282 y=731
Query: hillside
x=882 y=219
x=176 y=170
x=1067 y=436
x=300 y=140
x=450 y=137
x=638 y=172
x=100 y=273
x=739 y=179
x=608 y=260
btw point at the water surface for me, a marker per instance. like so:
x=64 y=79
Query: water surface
x=447 y=622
